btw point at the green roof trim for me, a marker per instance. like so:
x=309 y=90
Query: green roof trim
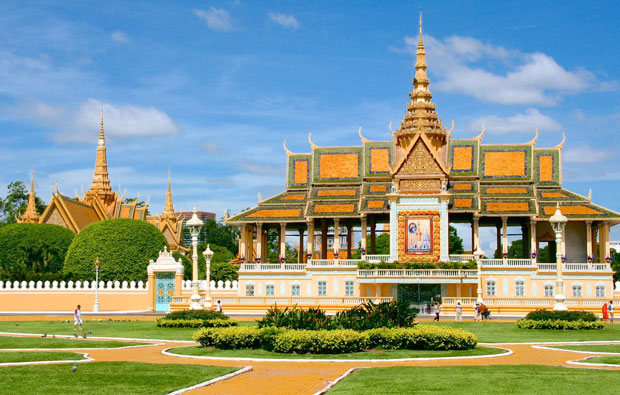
x=289 y=197
x=371 y=205
x=552 y=155
x=526 y=175
x=510 y=190
x=316 y=168
x=370 y=148
x=290 y=171
x=463 y=187
x=463 y=203
x=335 y=193
x=328 y=209
x=499 y=207
x=376 y=188
x=472 y=168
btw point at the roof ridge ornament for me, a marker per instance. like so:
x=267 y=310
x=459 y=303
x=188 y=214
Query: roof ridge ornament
x=391 y=131
x=286 y=149
x=364 y=139
x=310 y=141
x=479 y=137
x=260 y=199
x=590 y=195
x=451 y=130
x=533 y=141
x=559 y=146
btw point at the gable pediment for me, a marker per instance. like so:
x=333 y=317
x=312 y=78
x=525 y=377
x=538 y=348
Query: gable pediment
x=420 y=159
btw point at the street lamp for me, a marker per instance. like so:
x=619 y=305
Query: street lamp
x=558 y=222
x=194 y=224
x=96 y=306
x=208 y=254
x=478 y=255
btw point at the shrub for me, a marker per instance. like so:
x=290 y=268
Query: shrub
x=16 y=249
x=296 y=318
x=321 y=342
x=124 y=248
x=268 y=335
x=231 y=338
x=546 y=315
x=559 y=324
x=426 y=337
x=195 y=323
x=194 y=315
x=370 y=315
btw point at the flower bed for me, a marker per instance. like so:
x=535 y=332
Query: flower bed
x=559 y=324
x=195 y=323
x=425 y=337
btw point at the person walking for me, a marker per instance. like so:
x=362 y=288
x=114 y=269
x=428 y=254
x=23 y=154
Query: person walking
x=459 y=312
x=77 y=318
x=610 y=310
x=437 y=311
x=477 y=317
x=605 y=313
x=218 y=307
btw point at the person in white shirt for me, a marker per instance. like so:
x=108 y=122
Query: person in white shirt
x=77 y=318
x=218 y=306
x=459 y=312
x=610 y=310
x=437 y=311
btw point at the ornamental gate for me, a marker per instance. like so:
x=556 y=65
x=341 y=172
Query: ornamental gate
x=419 y=294
x=164 y=286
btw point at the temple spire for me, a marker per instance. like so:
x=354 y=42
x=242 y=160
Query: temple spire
x=100 y=186
x=168 y=207
x=31 y=214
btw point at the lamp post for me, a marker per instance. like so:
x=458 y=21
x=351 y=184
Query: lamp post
x=558 y=222
x=96 y=306
x=478 y=254
x=208 y=254
x=194 y=224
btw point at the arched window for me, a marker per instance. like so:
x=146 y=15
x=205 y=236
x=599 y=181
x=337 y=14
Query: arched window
x=548 y=290
x=295 y=290
x=269 y=290
x=249 y=290
x=600 y=291
x=577 y=290
x=490 y=287
x=519 y=288
x=322 y=288
x=349 y=288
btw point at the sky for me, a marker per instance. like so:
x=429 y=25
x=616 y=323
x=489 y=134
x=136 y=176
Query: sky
x=210 y=89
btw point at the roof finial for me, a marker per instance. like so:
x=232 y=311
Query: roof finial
x=31 y=214
x=101 y=136
x=168 y=207
x=420 y=44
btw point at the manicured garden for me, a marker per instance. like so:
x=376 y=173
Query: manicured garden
x=7 y=342
x=35 y=356
x=592 y=348
x=560 y=320
x=609 y=360
x=519 y=379
x=107 y=378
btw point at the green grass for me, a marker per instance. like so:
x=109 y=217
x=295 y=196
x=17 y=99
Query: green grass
x=106 y=378
x=520 y=379
x=32 y=356
x=377 y=354
x=611 y=360
x=39 y=342
x=592 y=347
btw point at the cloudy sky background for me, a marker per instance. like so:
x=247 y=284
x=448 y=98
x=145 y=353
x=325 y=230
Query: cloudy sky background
x=211 y=88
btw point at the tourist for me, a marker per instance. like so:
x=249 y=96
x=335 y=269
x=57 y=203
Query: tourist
x=610 y=310
x=477 y=316
x=77 y=318
x=437 y=311
x=218 y=307
x=484 y=312
x=459 y=312
x=605 y=313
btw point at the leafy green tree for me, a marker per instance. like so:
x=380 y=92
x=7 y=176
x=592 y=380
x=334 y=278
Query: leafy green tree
x=37 y=257
x=15 y=203
x=123 y=246
x=615 y=264
x=221 y=269
x=220 y=234
x=516 y=249
x=141 y=203
x=455 y=243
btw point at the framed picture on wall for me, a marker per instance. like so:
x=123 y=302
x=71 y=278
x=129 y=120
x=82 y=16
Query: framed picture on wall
x=418 y=235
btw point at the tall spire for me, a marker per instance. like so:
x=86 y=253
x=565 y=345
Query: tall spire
x=31 y=214
x=421 y=116
x=100 y=186
x=168 y=207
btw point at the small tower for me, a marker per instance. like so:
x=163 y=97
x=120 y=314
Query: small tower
x=100 y=187
x=31 y=215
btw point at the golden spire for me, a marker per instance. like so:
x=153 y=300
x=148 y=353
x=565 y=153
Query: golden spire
x=168 y=207
x=421 y=116
x=31 y=214
x=100 y=186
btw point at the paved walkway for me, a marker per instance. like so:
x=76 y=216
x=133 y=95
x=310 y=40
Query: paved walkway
x=309 y=377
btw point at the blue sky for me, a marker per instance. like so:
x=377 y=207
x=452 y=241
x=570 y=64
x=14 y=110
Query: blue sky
x=211 y=88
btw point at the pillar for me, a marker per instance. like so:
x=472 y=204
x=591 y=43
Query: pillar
x=603 y=243
x=595 y=252
x=533 y=239
x=349 y=239
x=300 y=253
x=504 y=235
x=265 y=245
x=475 y=239
x=242 y=241
x=589 y=239
x=525 y=239
x=282 y=235
x=310 y=240
x=323 y=239
x=373 y=234
x=364 y=233
x=498 y=240
x=563 y=244
x=259 y=241
x=336 y=236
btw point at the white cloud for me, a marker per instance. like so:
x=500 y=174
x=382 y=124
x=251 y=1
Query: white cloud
x=524 y=123
x=216 y=18
x=284 y=20
x=584 y=154
x=261 y=168
x=495 y=74
x=212 y=148
x=82 y=124
x=120 y=37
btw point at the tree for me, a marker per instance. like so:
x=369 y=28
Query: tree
x=140 y=203
x=220 y=234
x=615 y=264
x=455 y=243
x=123 y=246
x=516 y=249
x=15 y=203
x=37 y=257
x=221 y=269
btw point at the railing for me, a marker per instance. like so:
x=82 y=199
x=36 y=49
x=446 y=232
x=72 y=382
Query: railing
x=511 y=262
x=214 y=286
x=289 y=267
x=415 y=273
x=378 y=258
x=290 y=301
x=541 y=302
x=333 y=262
x=70 y=285
x=461 y=257
x=575 y=267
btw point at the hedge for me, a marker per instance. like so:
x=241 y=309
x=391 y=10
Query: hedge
x=124 y=248
x=15 y=236
x=546 y=315
x=559 y=324
x=336 y=341
x=195 y=315
x=195 y=323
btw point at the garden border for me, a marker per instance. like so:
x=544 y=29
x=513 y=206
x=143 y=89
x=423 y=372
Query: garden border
x=85 y=355
x=333 y=383
x=505 y=354
x=591 y=365
x=577 y=351
x=244 y=369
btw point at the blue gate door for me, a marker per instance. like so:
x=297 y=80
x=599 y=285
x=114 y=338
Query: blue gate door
x=164 y=285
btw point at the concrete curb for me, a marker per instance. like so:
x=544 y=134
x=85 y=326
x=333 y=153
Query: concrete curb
x=87 y=359
x=213 y=381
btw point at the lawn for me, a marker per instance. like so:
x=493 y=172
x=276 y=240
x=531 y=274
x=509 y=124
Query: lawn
x=32 y=356
x=106 y=378
x=593 y=347
x=611 y=360
x=48 y=342
x=519 y=379
x=375 y=354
